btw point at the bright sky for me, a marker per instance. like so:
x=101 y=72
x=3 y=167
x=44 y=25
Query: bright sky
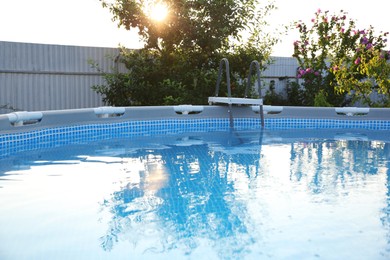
x=87 y=23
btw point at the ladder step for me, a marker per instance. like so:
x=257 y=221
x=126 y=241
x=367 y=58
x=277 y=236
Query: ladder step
x=236 y=101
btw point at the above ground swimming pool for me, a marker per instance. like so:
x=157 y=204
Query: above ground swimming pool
x=189 y=186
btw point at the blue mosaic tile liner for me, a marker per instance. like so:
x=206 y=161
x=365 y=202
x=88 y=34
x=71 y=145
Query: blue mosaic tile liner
x=53 y=137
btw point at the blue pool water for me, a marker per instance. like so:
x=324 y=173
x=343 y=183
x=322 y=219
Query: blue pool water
x=280 y=194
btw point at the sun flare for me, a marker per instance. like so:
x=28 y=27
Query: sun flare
x=158 y=11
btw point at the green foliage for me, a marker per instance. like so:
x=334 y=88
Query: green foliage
x=320 y=99
x=116 y=90
x=369 y=71
x=179 y=61
x=158 y=78
x=272 y=97
x=336 y=58
x=191 y=24
x=294 y=94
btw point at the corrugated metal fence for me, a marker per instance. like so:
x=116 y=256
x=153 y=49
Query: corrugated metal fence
x=47 y=77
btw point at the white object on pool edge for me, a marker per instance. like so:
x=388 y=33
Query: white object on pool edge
x=351 y=111
x=106 y=111
x=267 y=109
x=186 y=109
x=18 y=118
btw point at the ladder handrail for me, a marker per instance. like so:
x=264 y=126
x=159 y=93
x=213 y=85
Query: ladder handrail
x=256 y=63
x=227 y=70
x=226 y=62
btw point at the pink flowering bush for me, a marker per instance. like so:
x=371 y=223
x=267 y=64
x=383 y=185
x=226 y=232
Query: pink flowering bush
x=366 y=70
x=336 y=59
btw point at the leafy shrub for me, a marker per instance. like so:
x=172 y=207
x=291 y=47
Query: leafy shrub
x=338 y=59
x=179 y=61
x=320 y=100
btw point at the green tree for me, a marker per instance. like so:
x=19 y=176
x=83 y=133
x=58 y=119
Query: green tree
x=362 y=73
x=337 y=59
x=181 y=54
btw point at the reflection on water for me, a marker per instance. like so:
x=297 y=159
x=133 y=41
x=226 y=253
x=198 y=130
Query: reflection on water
x=326 y=165
x=286 y=194
x=226 y=192
x=185 y=195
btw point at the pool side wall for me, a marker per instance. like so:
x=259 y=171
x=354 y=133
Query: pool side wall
x=60 y=118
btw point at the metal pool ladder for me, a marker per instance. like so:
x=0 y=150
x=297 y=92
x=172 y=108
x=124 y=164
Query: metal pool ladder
x=238 y=101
